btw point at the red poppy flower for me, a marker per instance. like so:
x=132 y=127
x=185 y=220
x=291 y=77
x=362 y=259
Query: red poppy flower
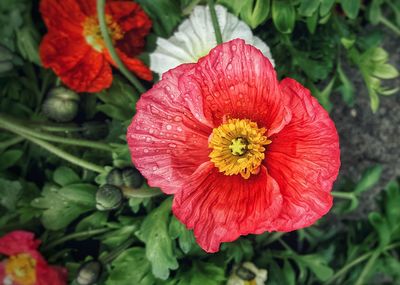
x=74 y=48
x=24 y=265
x=241 y=152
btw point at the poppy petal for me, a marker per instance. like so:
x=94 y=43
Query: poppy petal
x=236 y=80
x=133 y=64
x=166 y=138
x=221 y=208
x=17 y=242
x=304 y=159
x=62 y=16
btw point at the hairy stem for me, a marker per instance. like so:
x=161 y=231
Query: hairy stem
x=110 y=47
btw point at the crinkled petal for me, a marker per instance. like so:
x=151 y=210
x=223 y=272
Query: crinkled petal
x=63 y=16
x=304 y=159
x=17 y=242
x=130 y=16
x=168 y=138
x=62 y=52
x=221 y=208
x=50 y=275
x=194 y=40
x=134 y=64
x=237 y=81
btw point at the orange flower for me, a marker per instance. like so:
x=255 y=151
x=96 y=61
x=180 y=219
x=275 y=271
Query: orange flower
x=75 y=50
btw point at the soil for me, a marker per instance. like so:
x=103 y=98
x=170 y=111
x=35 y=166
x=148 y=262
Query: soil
x=367 y=139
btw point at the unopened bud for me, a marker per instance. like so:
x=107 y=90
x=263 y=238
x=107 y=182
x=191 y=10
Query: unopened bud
x=61 y=104
x=108 y=197
x=89 y=273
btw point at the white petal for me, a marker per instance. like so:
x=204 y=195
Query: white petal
x=195 y=38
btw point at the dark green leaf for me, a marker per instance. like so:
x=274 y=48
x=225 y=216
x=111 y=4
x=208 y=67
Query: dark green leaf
x=308 y=7
x=10 y=192
x=159 y=248
x=256 y=13
x=283 y=15
x=351 y=7
x=369 y=178
x=9 y=158
x=131 y=267
x=64 y=176
x=185 y=236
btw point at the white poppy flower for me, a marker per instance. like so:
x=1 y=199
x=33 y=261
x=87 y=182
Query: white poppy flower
x=195 y=38
x=247 y=273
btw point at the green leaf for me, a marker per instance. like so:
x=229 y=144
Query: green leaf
x=256 y=13
x=64 y=176
x=351 y=7
x=308 y=7
x=165 y=15
x=159 y=247
x=312 y=23
x=239 y=250
x=185 y=236
x=385 y=71
x=374 y=11
x=10 y=192
x=283 y=15
x=9 y=158
x=382 y=228
x=369 y=178
x=347 y=88
x=392 y=203
x=131 y=267
x=63 y=205
x=317 y=265
x=235 y=6
x=288 y=273
x=326 y=6
x=202 y=273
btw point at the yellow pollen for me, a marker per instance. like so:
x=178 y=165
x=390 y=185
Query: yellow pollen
x=21 y=268
x=92 y=33
x=238 y=147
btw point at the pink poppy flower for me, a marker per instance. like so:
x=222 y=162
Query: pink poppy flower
x=24 y=265
x=242 y=152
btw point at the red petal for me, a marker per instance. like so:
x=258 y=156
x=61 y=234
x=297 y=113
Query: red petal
x=221 y=208
x=79 y=66
x=92 y=74
x=62 y=52
x=166 y=139
x=304 y=159
x=129 y=15
x=133 y=64
x=62 y=16
x=18 y=242
x=236 y=80
x=51 y=275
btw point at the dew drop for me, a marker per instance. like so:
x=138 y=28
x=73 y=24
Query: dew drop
x=151 y=131
x=172 y=145
x=169 y=127
x=234 y=47
x=155 y=168
x=229 y=67
x=145 y=150
x=179 y=129
x=177 y=119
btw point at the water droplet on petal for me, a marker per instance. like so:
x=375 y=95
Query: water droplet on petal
x=177 y=119
x=169 y=127
x=229 y=67
x=145 y=150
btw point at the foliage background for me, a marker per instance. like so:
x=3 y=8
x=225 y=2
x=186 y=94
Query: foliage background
x=335 y=48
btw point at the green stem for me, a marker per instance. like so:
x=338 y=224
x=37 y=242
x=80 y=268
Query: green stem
x=356 y=261
x=12 y=126
x=63 y=154
x=214 y=19
x=368 y=266
x=140 y=193
x=80 y=235
x=109 y=44
x=390 y=25
x=116 y=252
x=10 y=142
x=343 y=195
x=273 y=237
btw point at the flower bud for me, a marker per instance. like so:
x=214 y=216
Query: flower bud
x=6 y=58
x=247 y=273
x=132 y=177
x=61 y=104
x=89 y=273
x=114 y=177
x=108 y=197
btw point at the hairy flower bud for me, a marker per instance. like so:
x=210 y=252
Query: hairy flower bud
x=132 y=177
x=61 y=104
x=108 y=197
x=89 y=273
x=114 y=177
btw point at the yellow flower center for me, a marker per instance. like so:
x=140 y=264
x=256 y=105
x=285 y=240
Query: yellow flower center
x=21 y=268
x=238 y=147
x=92 y=32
